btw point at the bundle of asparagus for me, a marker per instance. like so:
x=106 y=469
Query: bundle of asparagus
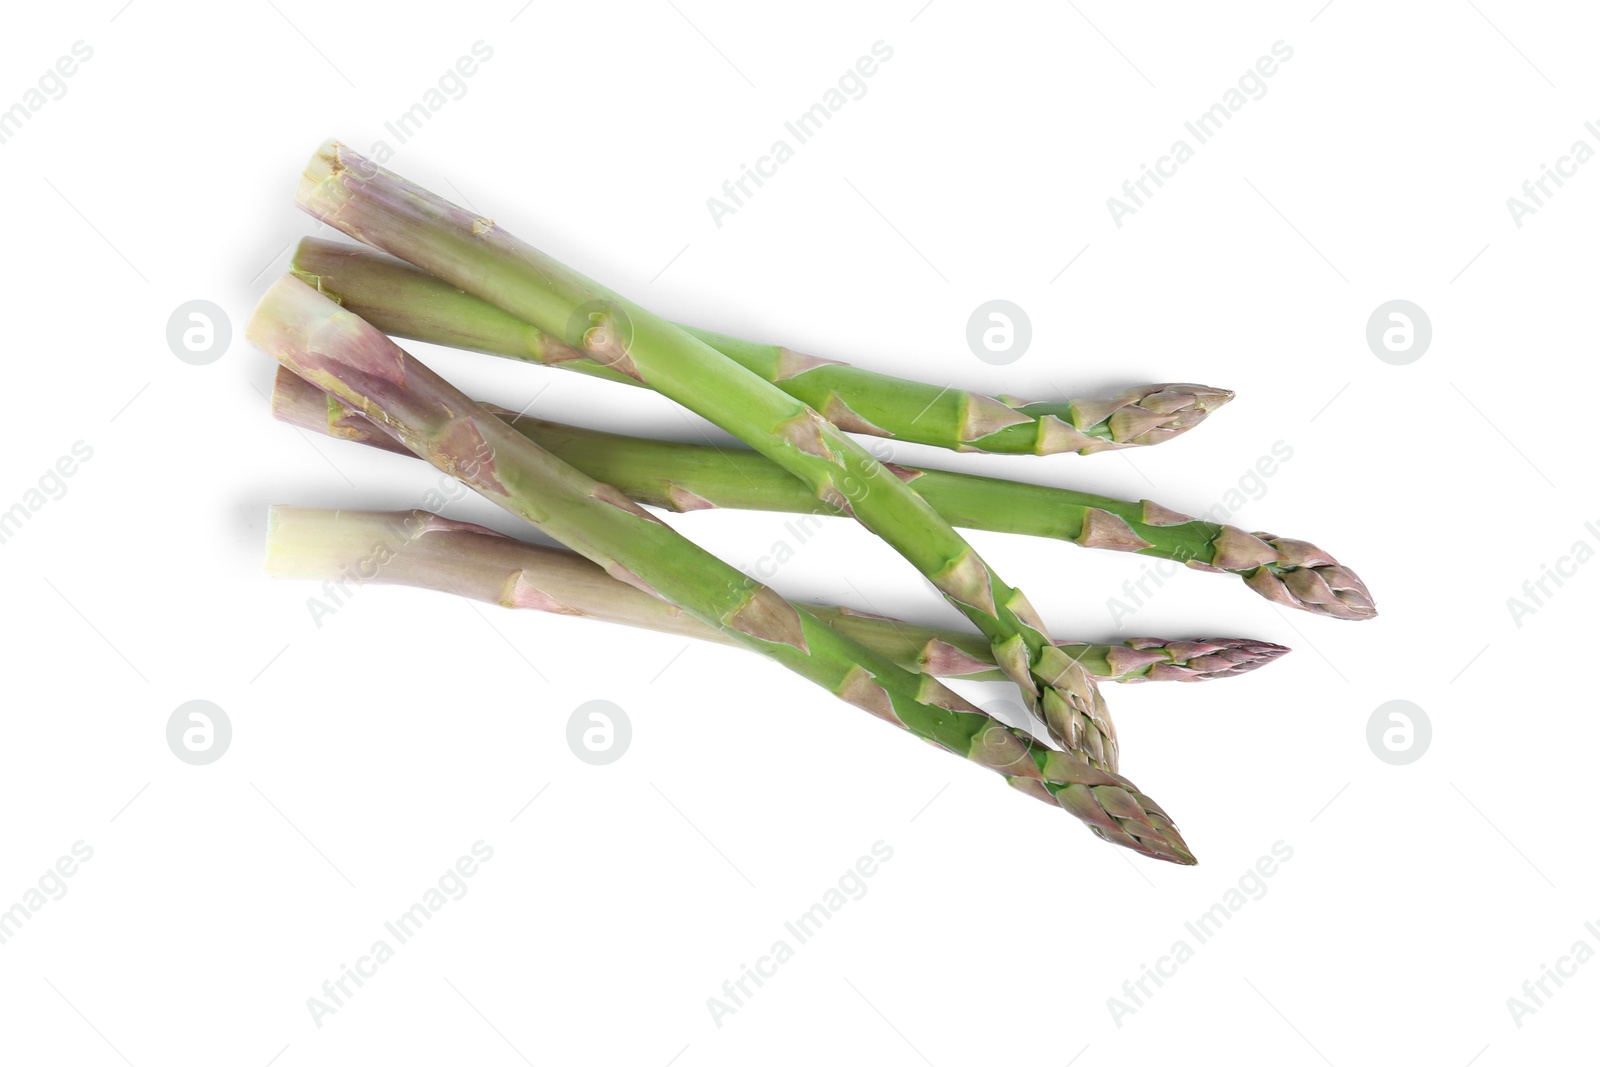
x=463 y=281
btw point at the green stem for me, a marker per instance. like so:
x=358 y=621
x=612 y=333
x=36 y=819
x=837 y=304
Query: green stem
x=345 y=356
x=414 y=548
x=401 y=300
x=686 y=477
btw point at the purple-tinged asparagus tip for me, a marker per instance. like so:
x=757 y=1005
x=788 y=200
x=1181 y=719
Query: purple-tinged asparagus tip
x=1306 y=577
x=1217 y=658
x=1146 y=415
x=1192 y=661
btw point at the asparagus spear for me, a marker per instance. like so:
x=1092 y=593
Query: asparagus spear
x=340 y=353
x=425 y=551
x=400 y=299
x=353 y=194
x=686 y=477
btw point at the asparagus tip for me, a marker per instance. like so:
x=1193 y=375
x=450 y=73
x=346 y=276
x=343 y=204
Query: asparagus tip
x=1143 y=415
x=1216 y=657
x=1306 y=577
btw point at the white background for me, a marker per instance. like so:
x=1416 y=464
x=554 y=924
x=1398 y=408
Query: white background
x=369 y=753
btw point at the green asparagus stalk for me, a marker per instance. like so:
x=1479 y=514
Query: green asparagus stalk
x=401 y=300
x=349 y=358
x=354 y=195
x=343 y=549
x=687 y=477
